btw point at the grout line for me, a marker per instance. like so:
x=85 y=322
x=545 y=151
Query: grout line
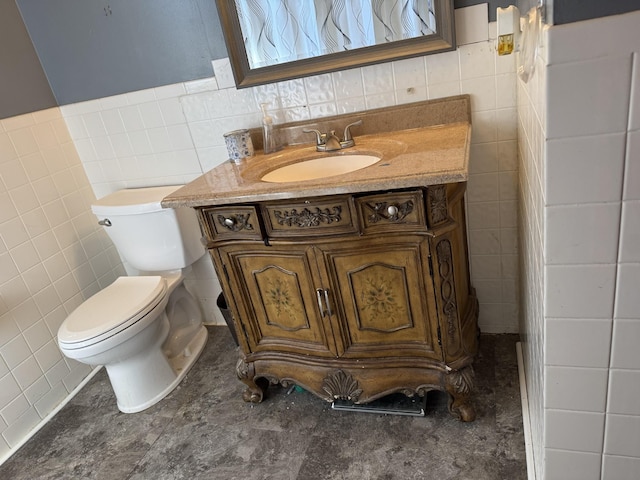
x=526 y=418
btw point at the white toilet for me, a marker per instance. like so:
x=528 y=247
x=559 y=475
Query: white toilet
x=146 y=330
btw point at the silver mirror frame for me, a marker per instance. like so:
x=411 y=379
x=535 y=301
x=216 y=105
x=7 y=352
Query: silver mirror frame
x=442 y=41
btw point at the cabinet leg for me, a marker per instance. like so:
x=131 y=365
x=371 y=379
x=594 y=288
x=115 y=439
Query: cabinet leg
x=459 y=385
x=255 y=390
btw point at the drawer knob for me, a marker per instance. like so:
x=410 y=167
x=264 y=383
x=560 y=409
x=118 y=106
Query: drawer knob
x=235 y=222
x=383 y=211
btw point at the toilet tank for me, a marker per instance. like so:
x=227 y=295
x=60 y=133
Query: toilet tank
x=148 y=237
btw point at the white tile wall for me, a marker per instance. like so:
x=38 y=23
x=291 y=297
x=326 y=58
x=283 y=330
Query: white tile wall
x=620 y=468
x=622 y=435
x=574 y=430
x=570 y=237
x=531 y=134
x=52 y=256
x=624 y=350
x=596 y=79
x=600 y=181
x=588 y=264
x=584 y=466
x=579 y=291
x=577 y=342
x=571 y=388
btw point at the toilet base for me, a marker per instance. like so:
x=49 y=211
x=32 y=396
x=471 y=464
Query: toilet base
x=179 y=365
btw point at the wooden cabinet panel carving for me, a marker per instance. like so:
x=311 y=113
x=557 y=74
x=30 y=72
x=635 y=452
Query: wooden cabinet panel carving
x=391 y=211
x=381 y=294
x=353 y=297
x=231 y=222
x=282 y=312
x=310 y=217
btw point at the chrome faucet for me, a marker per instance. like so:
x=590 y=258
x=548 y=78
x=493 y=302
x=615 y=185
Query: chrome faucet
x=329 y=142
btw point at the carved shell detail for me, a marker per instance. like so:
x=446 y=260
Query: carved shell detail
x=341 y=386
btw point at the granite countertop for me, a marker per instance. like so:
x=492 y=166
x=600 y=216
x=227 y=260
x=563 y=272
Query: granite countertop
x=426 y=155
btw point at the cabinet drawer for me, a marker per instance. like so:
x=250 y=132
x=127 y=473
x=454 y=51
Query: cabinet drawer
x=312 y=217
x=391 y=211
x=233 y=222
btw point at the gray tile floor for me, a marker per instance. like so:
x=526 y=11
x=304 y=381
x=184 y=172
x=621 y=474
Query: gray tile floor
x=203 y=430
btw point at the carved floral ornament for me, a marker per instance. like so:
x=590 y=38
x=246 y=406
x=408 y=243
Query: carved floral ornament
x=308 y=218
x=437 y=196
x=278 y=296
x=378 y=298
x=379 y=308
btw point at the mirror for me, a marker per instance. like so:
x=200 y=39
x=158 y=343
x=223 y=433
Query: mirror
x=275 y=40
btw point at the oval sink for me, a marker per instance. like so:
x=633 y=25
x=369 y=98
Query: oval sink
x=320 y=168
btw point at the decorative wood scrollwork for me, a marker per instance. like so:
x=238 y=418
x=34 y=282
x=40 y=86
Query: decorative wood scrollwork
x=307 y=218
x=389 y=212
x=242 y=369
x=341 y=386
x=462 y=380
x=437 y=200
x=447 y=287
x=236 y=223
x=459 y=384
x=255 y=387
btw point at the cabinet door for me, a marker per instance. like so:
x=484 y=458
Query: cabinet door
x=278 y=304
x=382 y=294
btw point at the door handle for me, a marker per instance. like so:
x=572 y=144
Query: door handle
x=319 y=296
x=326 y=301
x=322 y=295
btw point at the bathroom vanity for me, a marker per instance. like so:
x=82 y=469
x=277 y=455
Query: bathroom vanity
x=354 y=285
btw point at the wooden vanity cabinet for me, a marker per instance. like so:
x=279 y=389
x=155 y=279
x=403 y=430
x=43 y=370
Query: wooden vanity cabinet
x=351 y=296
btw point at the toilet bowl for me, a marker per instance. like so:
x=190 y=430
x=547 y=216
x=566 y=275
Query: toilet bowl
x=125 y=327
x=145 y=330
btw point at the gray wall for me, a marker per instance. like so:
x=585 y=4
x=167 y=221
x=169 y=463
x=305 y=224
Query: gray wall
x=23 y=85
x=94 y=49
x=568 y=11
x=89 y=49
x=98 y=48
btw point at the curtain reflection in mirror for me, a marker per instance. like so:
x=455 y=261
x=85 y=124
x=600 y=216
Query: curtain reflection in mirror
x=278 y=31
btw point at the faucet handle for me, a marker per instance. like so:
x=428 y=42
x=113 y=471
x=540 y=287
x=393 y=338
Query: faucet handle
x=347 y=132
x=320 y=137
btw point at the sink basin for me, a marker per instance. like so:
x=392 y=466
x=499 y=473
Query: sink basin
x=320 y=168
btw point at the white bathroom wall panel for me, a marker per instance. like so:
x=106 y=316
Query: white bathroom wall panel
x=53 y=255
x=589 y=313
x=532 y=194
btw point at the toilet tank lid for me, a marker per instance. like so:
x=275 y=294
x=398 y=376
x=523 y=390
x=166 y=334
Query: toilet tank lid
x=131 y=201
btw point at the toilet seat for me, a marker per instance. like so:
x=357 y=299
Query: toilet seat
x=112 y=310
